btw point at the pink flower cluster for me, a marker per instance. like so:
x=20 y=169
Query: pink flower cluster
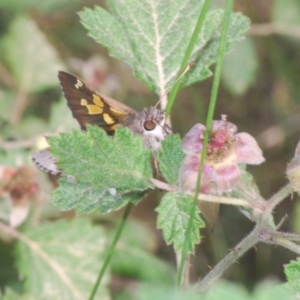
x=226 y=149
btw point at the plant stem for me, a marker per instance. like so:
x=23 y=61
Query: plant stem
x=287 y=244
x=213 y=99
x=277 y=198
x=111 y=250
x=262 y=233
x=186 y=269
x=229 y=259
x=203 y=197
x=281 y=238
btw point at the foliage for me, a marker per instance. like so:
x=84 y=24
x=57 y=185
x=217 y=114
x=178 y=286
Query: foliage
x=53 y=257
x=173 y=216
x=224 y=290
x=170 y=158
x=155 y=46
x=106 y=174
x=58 y=260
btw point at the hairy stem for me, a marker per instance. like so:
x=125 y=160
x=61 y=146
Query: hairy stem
x=203 y=197
x=277 y=198
x=261 y=233
x=287 y=244
x=229 y=259
x=282 y=239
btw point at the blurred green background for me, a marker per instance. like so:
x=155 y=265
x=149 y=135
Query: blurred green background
x=259 y=92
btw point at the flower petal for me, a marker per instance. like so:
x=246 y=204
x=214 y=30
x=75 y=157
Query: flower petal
x=188 y=175
x=223 y=125
x=247 y=149
x=193 y=140
x=227 y=177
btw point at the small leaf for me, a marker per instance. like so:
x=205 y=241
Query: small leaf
x=152 y=37
x=173 y=217
x=32 y=59
x=104 y=173
x=170 y=158
x=292 y=273
x=60 y=260
x=240 y=67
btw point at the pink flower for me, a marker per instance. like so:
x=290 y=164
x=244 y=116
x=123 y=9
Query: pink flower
x=226 y=149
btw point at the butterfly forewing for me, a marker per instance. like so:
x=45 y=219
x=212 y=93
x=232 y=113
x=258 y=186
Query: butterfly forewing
x=91 y=107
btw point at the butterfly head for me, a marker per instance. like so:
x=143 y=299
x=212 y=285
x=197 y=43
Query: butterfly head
x=150 y=124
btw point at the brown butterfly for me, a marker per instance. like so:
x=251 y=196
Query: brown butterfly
x=91 y=107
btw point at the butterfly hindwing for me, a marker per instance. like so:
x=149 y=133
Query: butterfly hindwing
x=90 y=107
x=45 y=161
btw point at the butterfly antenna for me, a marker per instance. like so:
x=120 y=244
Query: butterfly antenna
x=172 y=85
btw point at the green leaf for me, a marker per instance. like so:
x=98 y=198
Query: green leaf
x=60 y=260
x=240 y=67
x=85 y=199
x=31 y=58
x=97 y=160
x=292 y=273
x=152 y=37
x=170 y=158
x=173 y=217
x=106 y=172
x=134 y=256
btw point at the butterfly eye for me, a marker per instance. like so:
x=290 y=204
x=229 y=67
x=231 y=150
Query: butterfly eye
x=149 y=125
